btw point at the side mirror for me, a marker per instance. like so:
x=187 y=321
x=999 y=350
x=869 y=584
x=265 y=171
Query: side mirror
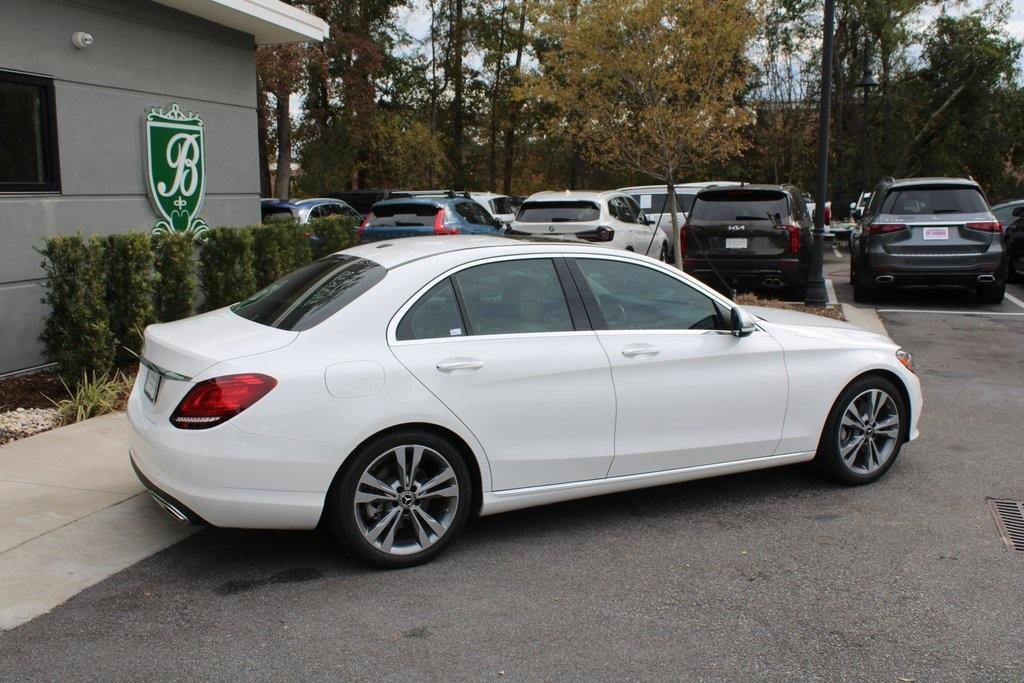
x=857 y=214
x=742 y=323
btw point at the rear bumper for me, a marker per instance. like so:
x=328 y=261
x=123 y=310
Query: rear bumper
x=754 y=273
x=878 y=267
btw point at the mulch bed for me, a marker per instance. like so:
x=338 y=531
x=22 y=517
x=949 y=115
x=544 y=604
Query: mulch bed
x=31 y=391
x=748 y=299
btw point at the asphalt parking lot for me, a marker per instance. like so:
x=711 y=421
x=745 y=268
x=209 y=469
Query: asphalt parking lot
x=773 y=575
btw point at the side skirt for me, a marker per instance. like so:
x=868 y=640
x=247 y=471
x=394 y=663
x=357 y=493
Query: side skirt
x=516 y=499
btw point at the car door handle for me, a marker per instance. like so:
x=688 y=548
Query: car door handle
x=634 y=350
x=453 y=364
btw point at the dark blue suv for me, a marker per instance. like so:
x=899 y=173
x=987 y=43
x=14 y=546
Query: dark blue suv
x=421 y=216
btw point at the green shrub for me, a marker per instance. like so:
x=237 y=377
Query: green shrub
x=332 y=234
x=77 y=333
x=129 y=292
x=226 y=270
x=93 y=395
x=278 y=249
x=175 y=284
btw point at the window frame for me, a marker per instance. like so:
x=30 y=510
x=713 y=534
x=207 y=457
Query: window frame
x=578 y=313
x=51 y=146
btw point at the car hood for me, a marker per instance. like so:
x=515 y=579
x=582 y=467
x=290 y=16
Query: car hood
x=810 y=325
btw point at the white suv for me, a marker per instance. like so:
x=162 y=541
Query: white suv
x=653 y=200
x=612 y=218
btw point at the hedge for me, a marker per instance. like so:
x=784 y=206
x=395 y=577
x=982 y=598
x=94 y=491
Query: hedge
x=103 y=291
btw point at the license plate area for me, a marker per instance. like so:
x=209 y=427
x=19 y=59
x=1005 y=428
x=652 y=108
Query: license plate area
x=935 y=234
x=736 y=242
x=151 y=386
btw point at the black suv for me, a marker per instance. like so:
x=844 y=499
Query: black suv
x=928 y=231
x=749 y=237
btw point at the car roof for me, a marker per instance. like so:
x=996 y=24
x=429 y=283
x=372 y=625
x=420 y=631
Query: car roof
x=752 y=186
x=486 y=195
x=318 y=200
x=427 y=200
x=580 y=195
x=1008 y=202
x=395 y=253
x=907 y=182
x=681 y=186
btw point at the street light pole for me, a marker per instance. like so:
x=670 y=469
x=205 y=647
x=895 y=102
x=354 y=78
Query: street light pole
x=816 y=294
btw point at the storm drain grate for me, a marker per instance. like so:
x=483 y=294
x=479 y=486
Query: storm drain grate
x=1009 y=516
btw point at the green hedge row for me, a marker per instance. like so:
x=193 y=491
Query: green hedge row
x=102 y=292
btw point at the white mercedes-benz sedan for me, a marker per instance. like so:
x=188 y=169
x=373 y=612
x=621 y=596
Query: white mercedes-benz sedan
x=392 y=390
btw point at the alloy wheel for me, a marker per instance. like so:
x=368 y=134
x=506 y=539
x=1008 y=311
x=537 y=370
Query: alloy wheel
x=869 y=432
x=406 y=499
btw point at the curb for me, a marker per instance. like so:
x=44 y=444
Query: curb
x=864 y=318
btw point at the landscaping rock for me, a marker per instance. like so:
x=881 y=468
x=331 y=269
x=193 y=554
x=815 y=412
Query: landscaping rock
x=17 y=424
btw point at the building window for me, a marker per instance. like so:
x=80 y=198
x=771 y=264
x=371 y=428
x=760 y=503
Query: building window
x=28 y=135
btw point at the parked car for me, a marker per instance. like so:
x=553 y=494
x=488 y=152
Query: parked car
x=393 y=392
x=928 y=231
x=750 y=237
x=653 y=201
x=1004 y=212
x=363 y=200
x=612 y=218
x=427 y=215
x=303 y=210
x=496 y=204
x=1014 y=235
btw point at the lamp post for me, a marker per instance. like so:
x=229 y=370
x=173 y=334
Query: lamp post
x=867 y=83
x=816 y=294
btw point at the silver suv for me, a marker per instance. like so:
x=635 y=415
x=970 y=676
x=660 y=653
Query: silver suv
x=928 y=231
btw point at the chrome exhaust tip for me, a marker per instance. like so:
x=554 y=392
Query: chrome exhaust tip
x=883 y=279
x=171 y=509
x=986 y=278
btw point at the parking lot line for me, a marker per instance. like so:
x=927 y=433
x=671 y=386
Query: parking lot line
x=924 y=310
x=835 y=249
x=832 y=300
x=1014 y=300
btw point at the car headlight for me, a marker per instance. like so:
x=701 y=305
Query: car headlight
x=905 y=358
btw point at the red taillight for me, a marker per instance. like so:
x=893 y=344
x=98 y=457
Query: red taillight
x=366 y=221
x=987 y=226
x=794 y=237
x=217 y=400
x=442 y=228
x=682 y=239
x=600 y=234
x=880 y=228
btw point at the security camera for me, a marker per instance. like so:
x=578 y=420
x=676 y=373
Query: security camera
x=81 y=39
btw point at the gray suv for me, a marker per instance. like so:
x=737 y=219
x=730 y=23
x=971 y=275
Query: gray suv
x=928 y=231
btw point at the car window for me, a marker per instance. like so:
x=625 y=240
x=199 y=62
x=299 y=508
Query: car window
x=620 y=210
x=873 y=202
x=731 y=205
x=633 y=208
x=635 y=297
x=311 y=294
x=435 y=315
x=558 y=212
x=653 y=204
x=933 y=200
x=480 y=214
x=403 y=214
x=500 y=205
x=511 y=297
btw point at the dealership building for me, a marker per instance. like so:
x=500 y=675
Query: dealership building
x=122 y=115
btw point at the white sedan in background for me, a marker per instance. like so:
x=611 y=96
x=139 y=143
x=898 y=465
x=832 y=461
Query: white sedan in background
x=611 y=219
x=396 y=388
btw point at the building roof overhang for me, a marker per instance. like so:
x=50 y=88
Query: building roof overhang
x=270 y=22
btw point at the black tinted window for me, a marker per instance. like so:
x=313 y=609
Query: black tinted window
x=501 y=205
x=633 y=297
x=28 y=142
x=311 y=294
x=435 y=315
x=658 y=203
x=731 y=205
x=928 y=200
x=558 y=212
x=404 y=214
x=514 y=297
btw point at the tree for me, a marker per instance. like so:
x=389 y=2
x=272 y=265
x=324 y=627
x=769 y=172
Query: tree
x=652 y=89
x=279 y=69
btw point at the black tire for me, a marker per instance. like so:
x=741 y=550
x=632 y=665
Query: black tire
x=341 y=505
x=992 y=294
x=864 y=294
x=829 y=461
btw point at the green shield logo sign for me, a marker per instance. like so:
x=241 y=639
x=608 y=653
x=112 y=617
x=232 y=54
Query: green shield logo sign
x=176 y=169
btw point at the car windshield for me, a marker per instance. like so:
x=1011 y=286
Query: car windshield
x=311 y=294
x=404 y=214
x=733 y=205
x=564 y=211
x=934 y=199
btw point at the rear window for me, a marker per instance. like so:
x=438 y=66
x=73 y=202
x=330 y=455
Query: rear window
x=501 y=205
x=404 y=214
x=658 y=203
x=311 y=294
x=277 y=213
x=739 y=205
x=934 y=199
x=559 y=212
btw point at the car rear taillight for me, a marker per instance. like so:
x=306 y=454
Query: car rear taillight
x=217 y=400
x=682 y=239
x=881 y=228
x=366 y=221
x=987 y=226
x=794 y=237
x=599 y=234
x=441 y=226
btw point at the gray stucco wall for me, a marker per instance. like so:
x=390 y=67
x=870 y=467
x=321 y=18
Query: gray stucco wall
x=143 y=55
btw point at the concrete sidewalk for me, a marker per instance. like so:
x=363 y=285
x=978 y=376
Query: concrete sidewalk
x=71 y=514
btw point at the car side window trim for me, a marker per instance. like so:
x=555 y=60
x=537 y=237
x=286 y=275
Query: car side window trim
x=467 y=326
x=577 y=310
x=594 y=314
